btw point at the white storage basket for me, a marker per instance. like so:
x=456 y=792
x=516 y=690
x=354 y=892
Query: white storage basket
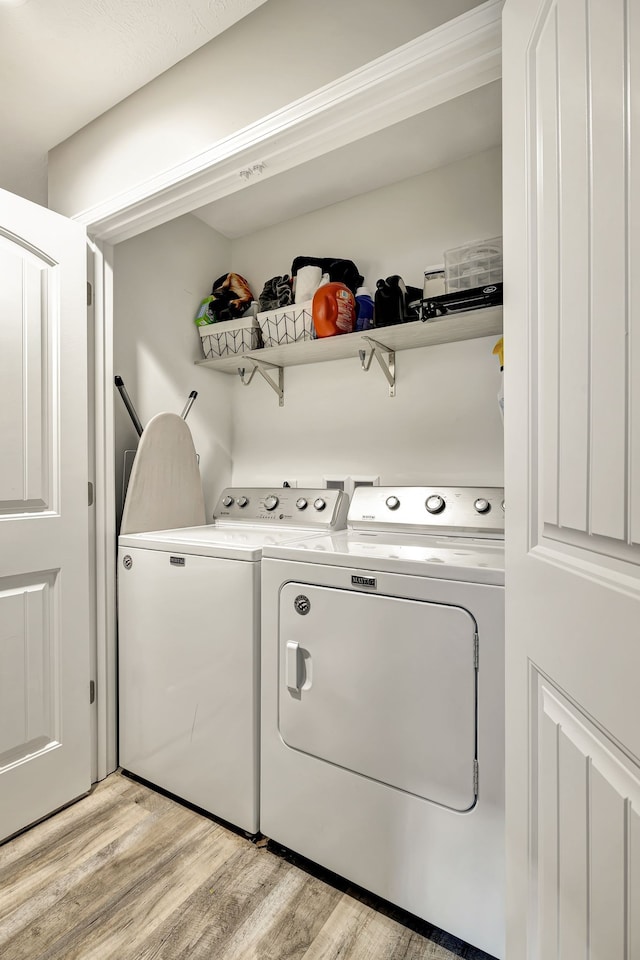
x=286 y=324
x=230 y=337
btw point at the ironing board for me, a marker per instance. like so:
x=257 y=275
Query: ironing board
x=165 y=489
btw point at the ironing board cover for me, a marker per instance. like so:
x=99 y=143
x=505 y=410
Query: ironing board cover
x=165 y=489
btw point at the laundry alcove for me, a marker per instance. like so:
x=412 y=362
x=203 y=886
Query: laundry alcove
x=388 y=165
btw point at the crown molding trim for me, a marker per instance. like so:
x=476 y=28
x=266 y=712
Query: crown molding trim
x=438 y=66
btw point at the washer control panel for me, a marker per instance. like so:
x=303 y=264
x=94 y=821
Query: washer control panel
x=324 y=509
x=450 y=511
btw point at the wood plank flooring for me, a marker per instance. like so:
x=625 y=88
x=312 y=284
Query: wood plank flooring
x=129 y=873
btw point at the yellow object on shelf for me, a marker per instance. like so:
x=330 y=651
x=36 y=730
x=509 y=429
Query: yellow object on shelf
x=498 y=350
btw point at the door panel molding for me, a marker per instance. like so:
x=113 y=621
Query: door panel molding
x=30 y=318
x=29 y=656
x=584 y=830
x=598 y=568
x=584 y=462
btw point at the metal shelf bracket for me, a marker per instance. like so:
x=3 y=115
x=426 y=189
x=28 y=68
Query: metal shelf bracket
x=387 y=366
x=259 y=366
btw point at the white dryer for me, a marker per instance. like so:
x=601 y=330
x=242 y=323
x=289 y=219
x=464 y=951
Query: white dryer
x=189 y=645
x=382 y=703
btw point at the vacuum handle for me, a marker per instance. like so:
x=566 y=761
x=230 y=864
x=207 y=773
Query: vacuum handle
x=189 y=404
x=131 y=410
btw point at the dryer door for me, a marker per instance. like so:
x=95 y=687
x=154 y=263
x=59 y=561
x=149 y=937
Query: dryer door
x=382 y=686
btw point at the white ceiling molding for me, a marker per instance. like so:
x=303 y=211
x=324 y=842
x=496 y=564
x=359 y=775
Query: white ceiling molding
x=448 y=62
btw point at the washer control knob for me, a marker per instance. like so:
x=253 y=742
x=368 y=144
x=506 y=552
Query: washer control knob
x=502 y=505
x=242 y=501
x=270 y=503
x=393 y=503
x=319 y=504
x=227 y=501
x=302 y=503
x=482 y=506
x=435 y=503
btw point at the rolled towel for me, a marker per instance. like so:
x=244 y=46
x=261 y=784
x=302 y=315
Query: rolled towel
x=307 y=282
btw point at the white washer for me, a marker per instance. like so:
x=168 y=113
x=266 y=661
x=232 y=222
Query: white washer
x=382 y=703
x=189 y=645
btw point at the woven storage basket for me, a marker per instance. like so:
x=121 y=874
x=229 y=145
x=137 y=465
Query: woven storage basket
x=287 y=324
x=230 y=337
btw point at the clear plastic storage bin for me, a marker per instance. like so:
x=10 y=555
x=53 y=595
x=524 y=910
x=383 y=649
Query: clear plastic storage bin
x=475 y=264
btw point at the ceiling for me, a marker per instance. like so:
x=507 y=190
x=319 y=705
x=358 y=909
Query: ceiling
x=451 y=131
x=65 y=62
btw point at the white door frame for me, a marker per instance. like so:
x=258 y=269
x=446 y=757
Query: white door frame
x=456 y=58
x=105 y=515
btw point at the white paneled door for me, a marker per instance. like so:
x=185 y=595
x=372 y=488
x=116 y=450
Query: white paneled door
x=571 y=72
x=44 y=601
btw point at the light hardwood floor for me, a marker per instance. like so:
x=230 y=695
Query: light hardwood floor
x=128 y=873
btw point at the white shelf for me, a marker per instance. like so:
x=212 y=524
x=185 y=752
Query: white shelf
x=404 y=336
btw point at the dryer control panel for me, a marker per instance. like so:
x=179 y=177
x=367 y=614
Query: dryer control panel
x=446 y=511
x=299 y=507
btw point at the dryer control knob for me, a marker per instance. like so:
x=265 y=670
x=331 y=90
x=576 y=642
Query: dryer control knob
x=319 y=504
x=435 y=503
x=227 y=501
x=302 y=503
x=392 y=502
x=242 y=501
x=482 y=506
x=271 y=502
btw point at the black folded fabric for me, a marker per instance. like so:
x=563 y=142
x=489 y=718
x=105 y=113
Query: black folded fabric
x=276 y=292
x=340 y=271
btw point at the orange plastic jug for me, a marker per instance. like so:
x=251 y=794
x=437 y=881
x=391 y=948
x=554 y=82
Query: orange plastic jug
x=333 y=310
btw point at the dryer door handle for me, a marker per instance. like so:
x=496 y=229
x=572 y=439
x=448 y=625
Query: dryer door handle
x=293 y=672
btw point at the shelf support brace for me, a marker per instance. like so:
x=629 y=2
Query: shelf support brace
x=259 y=366
x=388 y=366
